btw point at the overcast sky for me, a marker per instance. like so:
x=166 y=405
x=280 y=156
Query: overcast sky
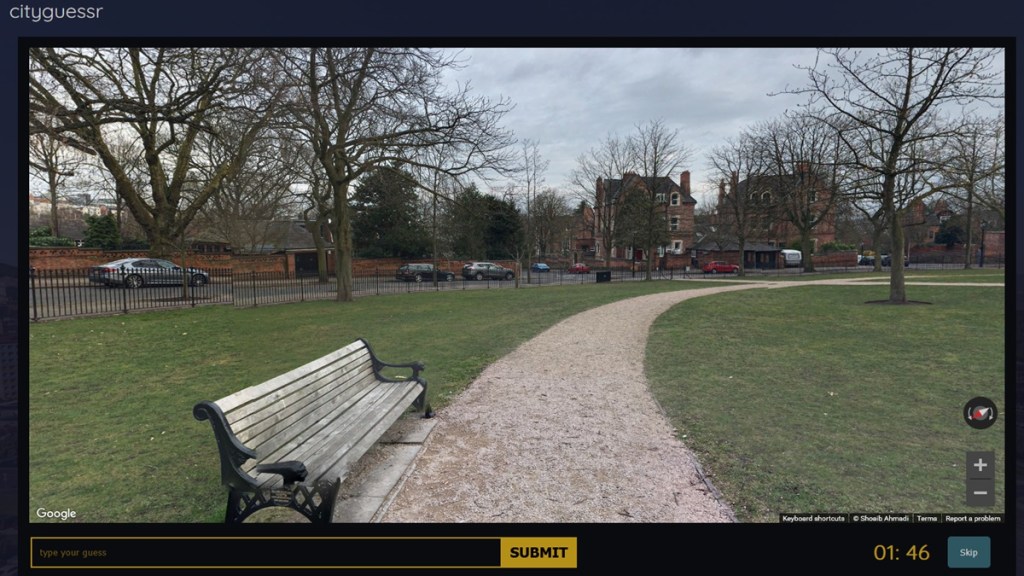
x=570 y=99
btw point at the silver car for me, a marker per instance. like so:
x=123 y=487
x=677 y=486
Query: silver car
x=489 y=270
x=139 y=272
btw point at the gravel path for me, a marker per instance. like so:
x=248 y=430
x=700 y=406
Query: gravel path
x=563 y=429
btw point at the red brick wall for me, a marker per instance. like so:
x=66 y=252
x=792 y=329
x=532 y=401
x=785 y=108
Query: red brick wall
x=76 y=258
x=995 y=243
x=836 y=259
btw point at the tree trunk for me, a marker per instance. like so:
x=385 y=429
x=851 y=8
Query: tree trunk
x=969 y=228
x=649 y=265
x=54 y=215
x=343 y=243
x=807 y=246
x=897 y=284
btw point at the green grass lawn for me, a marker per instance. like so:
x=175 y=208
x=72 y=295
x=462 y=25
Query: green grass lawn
x=111 y=431
x=806 y=399
x=795 y=399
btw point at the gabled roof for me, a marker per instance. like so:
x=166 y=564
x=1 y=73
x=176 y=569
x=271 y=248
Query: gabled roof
x=286 y=235
x=613 y=188
x=769 y=182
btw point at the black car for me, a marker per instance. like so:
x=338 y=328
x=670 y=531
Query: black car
x=421 y=272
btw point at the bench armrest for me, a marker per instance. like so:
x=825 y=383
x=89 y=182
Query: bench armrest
x=232 y=452
x=379 y=364
x=416 y=367
x=291 y=471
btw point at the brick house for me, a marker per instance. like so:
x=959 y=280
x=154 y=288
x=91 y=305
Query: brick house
x=767 y=196
x=584 y=234
x=675 y=199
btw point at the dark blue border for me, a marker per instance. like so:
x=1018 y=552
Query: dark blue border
x=526 y=22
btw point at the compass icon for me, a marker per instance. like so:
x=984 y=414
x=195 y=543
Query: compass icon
x=980 y=413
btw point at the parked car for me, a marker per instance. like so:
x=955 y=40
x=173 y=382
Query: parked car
x=792 y=258
x=139 y=272
x=421 y=272
x=540 y=267
x=866 y=261
x=489 y=270
x=887 y=260
x=579 y=268
x=717 y=266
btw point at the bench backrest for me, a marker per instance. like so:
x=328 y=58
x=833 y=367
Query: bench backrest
x=304 y=414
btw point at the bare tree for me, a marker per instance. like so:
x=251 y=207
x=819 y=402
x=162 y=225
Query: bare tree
x=53 y=162
x=658 y=152
x=313 y=195
x=739 y=160
x=611 y=158
x=552 y=218
x=801 y=189
x=365 y=107
x=893 y=98
x=975 y=172
x=165 y=97
x=533 y=168
x=440 y=191
x=246 y=211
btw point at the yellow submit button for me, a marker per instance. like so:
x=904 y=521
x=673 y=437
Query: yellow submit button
x=538 y=553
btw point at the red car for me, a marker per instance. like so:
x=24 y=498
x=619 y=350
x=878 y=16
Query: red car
x=718 y=266
x=579 y=268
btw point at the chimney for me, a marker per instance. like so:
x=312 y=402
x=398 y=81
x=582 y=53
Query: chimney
x=684 y=182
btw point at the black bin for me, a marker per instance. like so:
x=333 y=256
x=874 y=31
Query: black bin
x=604 y=276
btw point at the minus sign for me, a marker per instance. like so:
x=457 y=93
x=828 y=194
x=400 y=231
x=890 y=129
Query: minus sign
x=980 y=492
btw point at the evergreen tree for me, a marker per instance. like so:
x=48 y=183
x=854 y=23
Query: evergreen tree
x=101 y=232
x=385 y=222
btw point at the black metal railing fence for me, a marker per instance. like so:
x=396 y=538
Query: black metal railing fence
x=71 y=293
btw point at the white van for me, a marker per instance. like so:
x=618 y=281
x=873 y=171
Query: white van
x=792 y=258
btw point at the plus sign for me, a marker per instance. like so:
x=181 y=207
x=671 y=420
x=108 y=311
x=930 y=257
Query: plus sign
x=980 y=464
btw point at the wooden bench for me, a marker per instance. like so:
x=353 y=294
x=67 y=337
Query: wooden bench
x=291 y=440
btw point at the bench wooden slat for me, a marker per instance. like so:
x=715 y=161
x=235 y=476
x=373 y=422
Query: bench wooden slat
x=297 y=375
x=316 y=425
x=295 y=394
x=253 y=428
x=324 y=414
x=348 y=437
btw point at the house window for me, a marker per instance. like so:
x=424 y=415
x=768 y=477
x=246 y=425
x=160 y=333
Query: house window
x=660 y=197
x=674 y=223
x=675 y=199
x=766 y=198
x=812 y=195
x=677 y=247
